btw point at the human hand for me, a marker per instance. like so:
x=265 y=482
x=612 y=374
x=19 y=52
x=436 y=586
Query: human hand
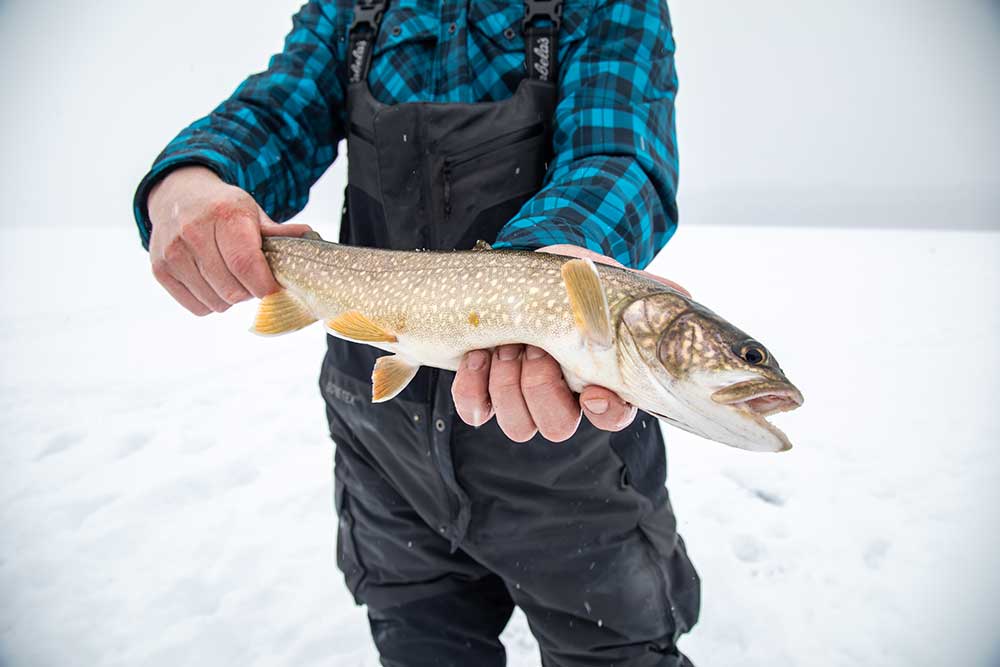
x=205 y=244
x=523 y=386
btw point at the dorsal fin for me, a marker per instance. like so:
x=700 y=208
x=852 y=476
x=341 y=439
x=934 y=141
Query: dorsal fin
x=355 y=326
x=588 y=301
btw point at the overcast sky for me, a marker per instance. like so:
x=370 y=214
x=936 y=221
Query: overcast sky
x=789 y=112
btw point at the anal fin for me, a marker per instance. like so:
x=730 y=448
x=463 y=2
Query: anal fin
x=390 y=376
x=588 y=301
x=355 y=326
x=280 y=313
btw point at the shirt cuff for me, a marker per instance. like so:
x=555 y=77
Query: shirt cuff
x=536 y=232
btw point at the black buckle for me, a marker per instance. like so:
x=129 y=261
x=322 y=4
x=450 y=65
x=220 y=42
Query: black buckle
x=542 y=9
x=368 y=12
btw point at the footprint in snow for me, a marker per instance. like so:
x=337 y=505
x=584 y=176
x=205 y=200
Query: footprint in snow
x=769 y=497
x=751 y=484
x=748 y=548
x=875 y=553
x=132 y=443
x=60 y=443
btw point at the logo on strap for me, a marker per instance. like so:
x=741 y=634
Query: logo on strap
x=541 y=50
x=358 y=59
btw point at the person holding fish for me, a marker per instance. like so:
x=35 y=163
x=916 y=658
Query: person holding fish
x=500 y=476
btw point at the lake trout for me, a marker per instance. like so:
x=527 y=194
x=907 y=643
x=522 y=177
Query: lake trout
x=652 y=345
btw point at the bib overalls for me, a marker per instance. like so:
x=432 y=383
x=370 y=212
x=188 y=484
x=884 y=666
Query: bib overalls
x=444 y=527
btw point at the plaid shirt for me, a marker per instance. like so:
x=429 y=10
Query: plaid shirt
x=612 y=184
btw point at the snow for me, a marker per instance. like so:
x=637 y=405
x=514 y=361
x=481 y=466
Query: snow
x=165 y=481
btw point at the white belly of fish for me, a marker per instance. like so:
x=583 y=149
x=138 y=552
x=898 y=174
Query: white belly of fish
x=582 y=364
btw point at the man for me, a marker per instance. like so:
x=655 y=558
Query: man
x=540 y=125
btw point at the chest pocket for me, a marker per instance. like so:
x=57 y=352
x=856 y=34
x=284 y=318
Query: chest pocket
x=495 y=32
x=403 y=57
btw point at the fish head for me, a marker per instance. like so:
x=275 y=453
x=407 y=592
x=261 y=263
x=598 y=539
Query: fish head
x=697 y=371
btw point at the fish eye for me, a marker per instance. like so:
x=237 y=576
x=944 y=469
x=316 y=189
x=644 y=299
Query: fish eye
x=753 y=353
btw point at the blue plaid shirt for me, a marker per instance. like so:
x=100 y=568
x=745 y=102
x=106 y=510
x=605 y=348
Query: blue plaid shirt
x=612 y=184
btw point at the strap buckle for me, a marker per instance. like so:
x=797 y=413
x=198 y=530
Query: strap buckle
x=368 y=13
x=542 y=9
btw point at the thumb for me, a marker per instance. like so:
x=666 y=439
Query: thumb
x=665 y=281
x=269 y=227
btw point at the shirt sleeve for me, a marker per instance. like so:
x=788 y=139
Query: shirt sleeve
x=612 y=184
x=278 y=132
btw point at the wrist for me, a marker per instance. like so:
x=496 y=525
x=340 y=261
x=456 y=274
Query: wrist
x=175 y=181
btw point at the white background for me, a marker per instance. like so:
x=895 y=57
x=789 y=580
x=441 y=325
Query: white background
x=812 y=112
x=165 y=481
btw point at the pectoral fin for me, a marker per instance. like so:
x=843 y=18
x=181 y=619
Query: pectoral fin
x=355 y=326
x=280 y=313
x=588 y=301
x=390 y=376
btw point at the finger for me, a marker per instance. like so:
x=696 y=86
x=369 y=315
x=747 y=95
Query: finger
x=269 y=228
x=471 y=388
x=505 y=394
x=605 y=409
x=568 y=250
x=551 y=404
x=213 y=269
x=584 y=253
x=181 y=266
x=239 y=245
x=181 y=294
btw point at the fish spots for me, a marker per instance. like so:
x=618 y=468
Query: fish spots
x=474 y=318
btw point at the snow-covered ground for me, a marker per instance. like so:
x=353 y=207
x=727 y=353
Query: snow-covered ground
x=165 y=481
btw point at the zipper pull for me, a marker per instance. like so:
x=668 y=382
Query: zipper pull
x=447 y=190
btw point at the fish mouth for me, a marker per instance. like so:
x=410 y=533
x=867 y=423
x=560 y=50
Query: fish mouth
x=760 y=399
x=763 y=398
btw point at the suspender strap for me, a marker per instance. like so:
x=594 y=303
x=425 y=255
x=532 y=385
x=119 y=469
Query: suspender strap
x=540 y=26
x=362 y=34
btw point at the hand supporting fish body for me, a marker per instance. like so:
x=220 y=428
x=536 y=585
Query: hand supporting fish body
x=605 y=325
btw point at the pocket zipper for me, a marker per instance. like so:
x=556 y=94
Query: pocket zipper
x=496 y=142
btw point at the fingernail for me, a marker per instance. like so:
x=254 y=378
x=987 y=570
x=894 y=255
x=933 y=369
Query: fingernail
x=477 y=416
x=596 y=405
x=629 y=417
x=532 y=352
x=508 y=352
x=476 y=360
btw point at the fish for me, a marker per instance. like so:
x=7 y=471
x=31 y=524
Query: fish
x=605 y=325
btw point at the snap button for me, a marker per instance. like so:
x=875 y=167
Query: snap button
x=452 y=28
x=439 y=425
x=509 y=33
x=416 y=418
x=397 y=31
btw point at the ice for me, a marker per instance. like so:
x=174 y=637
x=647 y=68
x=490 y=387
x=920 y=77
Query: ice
x=165 y=481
